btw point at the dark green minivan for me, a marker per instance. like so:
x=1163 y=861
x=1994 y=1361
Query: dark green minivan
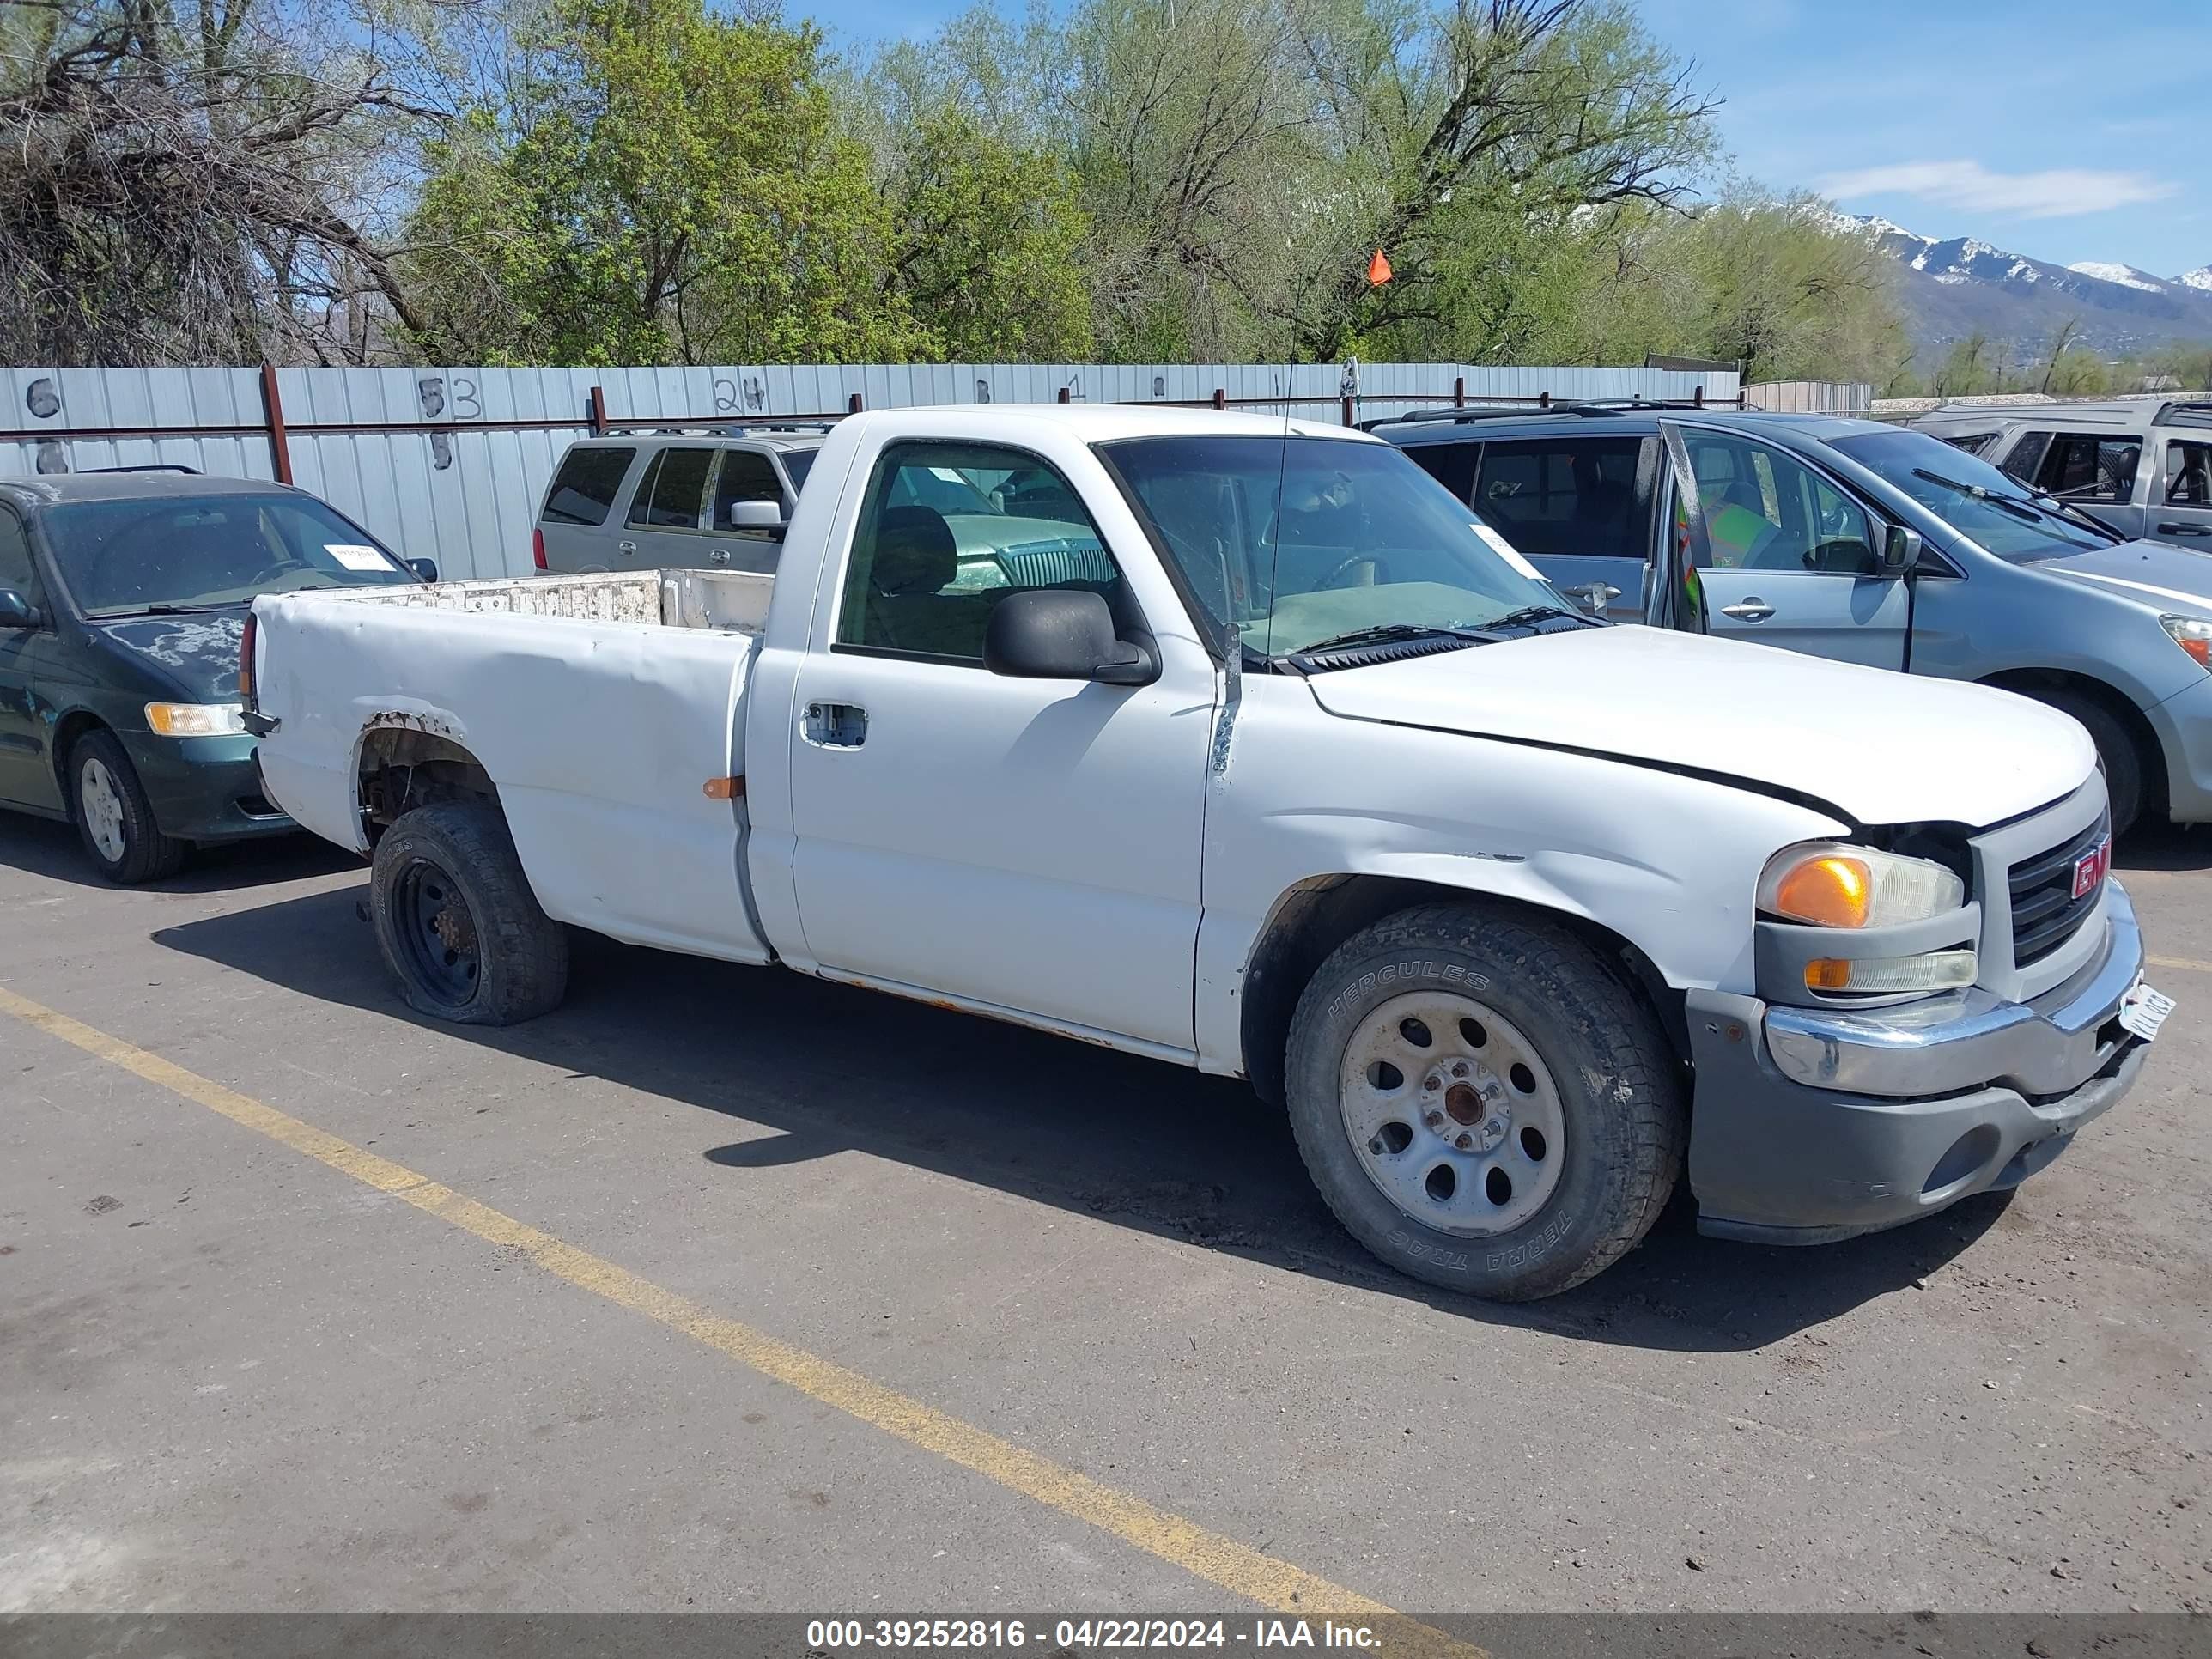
x=122 y=597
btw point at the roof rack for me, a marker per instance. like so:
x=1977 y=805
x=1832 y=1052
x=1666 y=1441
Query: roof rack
x=145 y=466
x=1599 y=408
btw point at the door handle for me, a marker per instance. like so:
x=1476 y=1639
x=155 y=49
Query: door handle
x=1751 y=609
x=834 y=724
x=625 y=547
x=2184 y=530
x=1594 y=596
x=720 y=556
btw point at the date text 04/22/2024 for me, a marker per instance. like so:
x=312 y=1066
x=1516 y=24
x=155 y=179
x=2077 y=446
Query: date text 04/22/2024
x=834 y=1635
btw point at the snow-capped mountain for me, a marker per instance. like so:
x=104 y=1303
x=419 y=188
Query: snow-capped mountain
x=2125 y=276
x=1954 y=287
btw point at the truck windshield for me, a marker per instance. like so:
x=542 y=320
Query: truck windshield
x=1304 y=540
x=185 y=552
x=1971 y=496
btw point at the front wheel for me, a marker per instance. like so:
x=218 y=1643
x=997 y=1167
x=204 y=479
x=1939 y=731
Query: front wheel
x=1482 y=1102
x=114 y=819
x=457 y=922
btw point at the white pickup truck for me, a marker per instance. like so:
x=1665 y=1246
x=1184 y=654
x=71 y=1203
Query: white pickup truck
x=1232 y=742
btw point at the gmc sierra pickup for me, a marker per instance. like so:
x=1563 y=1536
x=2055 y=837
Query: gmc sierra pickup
x=1238 y=743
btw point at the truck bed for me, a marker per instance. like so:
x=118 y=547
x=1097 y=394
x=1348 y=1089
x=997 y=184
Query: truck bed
x=608 y=712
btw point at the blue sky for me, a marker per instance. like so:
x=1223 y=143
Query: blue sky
x=2059 y=129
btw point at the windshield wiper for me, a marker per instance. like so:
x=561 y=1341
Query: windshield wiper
x=1386 y=631
x=2019 y=506
x=1534 y=613
x=167 y=608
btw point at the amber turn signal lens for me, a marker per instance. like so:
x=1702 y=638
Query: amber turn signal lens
x=1830 y=893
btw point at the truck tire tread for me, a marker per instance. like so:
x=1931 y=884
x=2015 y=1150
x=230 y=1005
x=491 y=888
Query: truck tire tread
x=1639 y=1134
x=523 y=953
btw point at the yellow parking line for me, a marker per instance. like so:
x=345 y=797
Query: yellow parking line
x=1222 y=1560
x=2188 y=964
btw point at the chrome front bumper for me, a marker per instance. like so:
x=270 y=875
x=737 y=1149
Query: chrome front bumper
x=1968 y=1039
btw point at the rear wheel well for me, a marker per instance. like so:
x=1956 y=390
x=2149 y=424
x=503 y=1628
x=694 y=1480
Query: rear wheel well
x=1317 y=915
x=2122 y=708
x=403 y=767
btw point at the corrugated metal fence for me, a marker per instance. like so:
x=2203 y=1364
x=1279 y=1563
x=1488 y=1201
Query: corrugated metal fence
x=1812 y=397
x=451 y=462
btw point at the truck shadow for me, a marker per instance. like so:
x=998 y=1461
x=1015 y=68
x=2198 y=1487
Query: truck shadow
x=1144 y=1145
x=40 y=847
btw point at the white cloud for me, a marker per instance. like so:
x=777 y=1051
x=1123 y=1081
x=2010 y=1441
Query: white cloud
x=2048 y=195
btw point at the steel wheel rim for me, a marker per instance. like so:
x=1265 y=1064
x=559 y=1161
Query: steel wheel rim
x=1463 y=1132
x=101 y=803
x=438 y=930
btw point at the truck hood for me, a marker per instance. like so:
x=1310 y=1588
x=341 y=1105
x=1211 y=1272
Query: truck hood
x=1882 y=748
x=198 y=654
x=2176 y=580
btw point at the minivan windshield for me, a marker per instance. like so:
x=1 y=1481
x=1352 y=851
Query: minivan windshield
x=186 y=552
x=1971 y=496
x=1306 y=540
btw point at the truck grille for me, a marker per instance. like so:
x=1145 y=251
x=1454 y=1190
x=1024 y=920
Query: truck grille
x=2045 y=911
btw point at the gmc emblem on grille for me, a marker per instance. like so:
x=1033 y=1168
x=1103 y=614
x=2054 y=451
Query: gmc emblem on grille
x=2090 y=869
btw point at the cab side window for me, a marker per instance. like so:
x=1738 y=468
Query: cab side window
x=1766 y=510
x=937 y=548
x=17 y=568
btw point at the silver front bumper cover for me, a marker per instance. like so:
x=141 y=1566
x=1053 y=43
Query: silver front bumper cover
x=1970 y=1038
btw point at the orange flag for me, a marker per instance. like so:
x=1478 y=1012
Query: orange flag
x=1378 y=270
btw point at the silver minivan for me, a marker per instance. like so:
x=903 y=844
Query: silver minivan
x=648 y=501
x=2142 y=466
x=1855 y=540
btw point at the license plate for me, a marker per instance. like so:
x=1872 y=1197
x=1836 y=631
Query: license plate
x=2143 y=1011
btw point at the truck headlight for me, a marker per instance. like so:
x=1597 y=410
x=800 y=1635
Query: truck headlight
x=2193 y=635
x=1834 y=884
x=195 y=720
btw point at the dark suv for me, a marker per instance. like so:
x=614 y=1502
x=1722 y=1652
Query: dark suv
x=122 y=597
x=1859 y=541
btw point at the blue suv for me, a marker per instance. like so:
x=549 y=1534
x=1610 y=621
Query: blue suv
x=1855 y=540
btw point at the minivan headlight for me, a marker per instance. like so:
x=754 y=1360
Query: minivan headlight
x=195 y=720
x=2193 y=635
x=1834 y=884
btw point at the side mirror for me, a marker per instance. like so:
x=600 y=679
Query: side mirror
x=426 y=569
x=1053 y=633
x=761 y=517
x=16 y=611
x=1900 y=551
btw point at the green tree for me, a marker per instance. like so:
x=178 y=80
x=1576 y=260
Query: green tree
x=986 y=245
x=661 y=182
x=1479 y=125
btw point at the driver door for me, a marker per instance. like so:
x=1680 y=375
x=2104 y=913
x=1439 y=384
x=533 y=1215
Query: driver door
x=27 y=770
x=1783 y=556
